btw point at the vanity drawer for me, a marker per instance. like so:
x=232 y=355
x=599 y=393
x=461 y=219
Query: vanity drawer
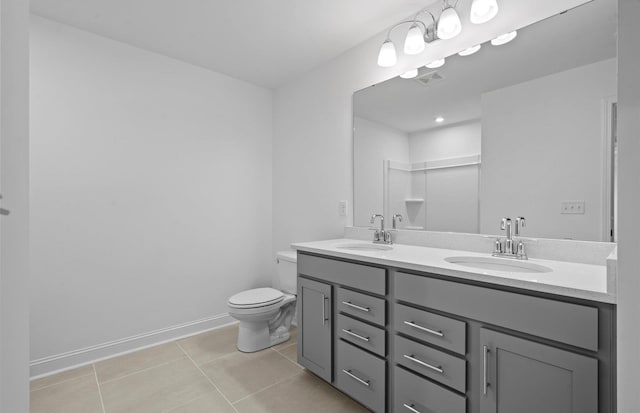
x=362 y=277
x=362 y=334
x=564 y=322
x=361 y=376
x=435 y=329
x=416 y=394
x=362 y=306
x=434 y=364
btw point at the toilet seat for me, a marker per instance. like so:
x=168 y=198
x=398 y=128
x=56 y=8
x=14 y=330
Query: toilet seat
x=256 y=298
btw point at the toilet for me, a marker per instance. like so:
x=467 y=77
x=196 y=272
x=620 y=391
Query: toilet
x=265 y=314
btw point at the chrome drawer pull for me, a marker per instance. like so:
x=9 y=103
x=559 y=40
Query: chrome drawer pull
x=353 y=376
x=428 y=330
x=351 y=333
x=357 y=307
x=485 y=379
x=422 y=363
x=324 y=310
x=410 y=408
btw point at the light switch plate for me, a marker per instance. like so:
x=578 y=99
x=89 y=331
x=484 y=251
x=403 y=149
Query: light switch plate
x=343 y=208
x=572 y=207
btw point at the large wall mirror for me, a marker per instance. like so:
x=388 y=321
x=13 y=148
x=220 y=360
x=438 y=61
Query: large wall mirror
x=523 y=129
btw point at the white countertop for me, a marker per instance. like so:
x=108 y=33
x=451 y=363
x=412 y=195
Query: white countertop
x=569 y=279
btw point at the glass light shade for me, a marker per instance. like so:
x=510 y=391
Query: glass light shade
x=435 y=64
x=470 y=51
x=483 y=10
x=449 y=25
x=387 y=56
x=409 y=74
x=414 y=42
x=504 y=38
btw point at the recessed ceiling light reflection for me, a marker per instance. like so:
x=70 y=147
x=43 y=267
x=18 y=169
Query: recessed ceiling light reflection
x=504 y=38
x=439 y=119
x=470 y=51
x=409 y=74
x=435 y=64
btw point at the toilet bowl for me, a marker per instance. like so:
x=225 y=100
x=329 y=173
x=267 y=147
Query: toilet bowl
x=265 y=314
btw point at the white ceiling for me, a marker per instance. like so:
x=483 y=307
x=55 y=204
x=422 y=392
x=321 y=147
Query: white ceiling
x=265 y=42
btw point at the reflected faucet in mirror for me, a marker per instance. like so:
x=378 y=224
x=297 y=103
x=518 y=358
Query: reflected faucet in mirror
x=509 y=248
x=381 y=236
x=395 y=219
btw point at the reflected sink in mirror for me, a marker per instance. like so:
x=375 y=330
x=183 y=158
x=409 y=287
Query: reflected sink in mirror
x=498 y=264
x=363 y=246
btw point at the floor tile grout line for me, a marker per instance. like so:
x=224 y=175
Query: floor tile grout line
x=142 y=370
x=208 y=379
x=265 y=388
x=59 y=382
x=288 y=359
x=186 y=403
x=95 y=375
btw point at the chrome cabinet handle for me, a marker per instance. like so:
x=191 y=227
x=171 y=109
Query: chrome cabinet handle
x=485 y=380
x=358 y=379
x=425 y=329
x=324 y=309
x=357 y=307
x=422 y=363
x=410 y=408
x=351 y=333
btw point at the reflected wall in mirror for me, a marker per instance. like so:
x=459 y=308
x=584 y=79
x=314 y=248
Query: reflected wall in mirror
x=527 y=129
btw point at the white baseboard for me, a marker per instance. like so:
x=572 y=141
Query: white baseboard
x=66 y=361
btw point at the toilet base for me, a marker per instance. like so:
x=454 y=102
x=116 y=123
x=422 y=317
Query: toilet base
x=254 y=337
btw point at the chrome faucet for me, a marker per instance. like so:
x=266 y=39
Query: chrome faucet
x=380 y=236
x=394 y=220
x=509 y=248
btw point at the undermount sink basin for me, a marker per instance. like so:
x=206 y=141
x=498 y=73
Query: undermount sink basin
x=364 y=246
x=498 y=264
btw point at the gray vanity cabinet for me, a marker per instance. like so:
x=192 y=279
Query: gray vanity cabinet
x=523 y=376
x=408 y=341
x=315 y=319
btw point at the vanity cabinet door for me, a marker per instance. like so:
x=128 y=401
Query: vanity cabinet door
x=315 y=327
x=522 y=376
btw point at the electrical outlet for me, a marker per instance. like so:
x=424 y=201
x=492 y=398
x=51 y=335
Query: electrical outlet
x=572 y=207
x=342 y=208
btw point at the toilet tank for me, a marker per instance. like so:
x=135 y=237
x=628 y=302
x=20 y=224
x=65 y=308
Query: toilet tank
x=287 y=271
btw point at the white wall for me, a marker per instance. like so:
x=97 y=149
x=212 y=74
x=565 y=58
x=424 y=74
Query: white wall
x=450 y=141
x=532 y=133
x=373 y=144
x=14 y=228
x=629 y=204
x=151 y=193
x=313 y=153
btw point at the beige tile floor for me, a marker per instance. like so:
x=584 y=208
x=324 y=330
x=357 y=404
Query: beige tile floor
x=203 y=373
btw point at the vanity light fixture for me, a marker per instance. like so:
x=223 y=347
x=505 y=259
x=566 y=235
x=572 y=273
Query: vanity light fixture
x=483 y=10
x=435 y=64
x=449 y=25
x=470 y=51
x=410 y=74
x=504 y=38
x=439 y=119
x=414 y=42
x=387 y=56
x=446 y=27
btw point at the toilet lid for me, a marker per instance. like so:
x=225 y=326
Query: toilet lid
x=258 y=297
